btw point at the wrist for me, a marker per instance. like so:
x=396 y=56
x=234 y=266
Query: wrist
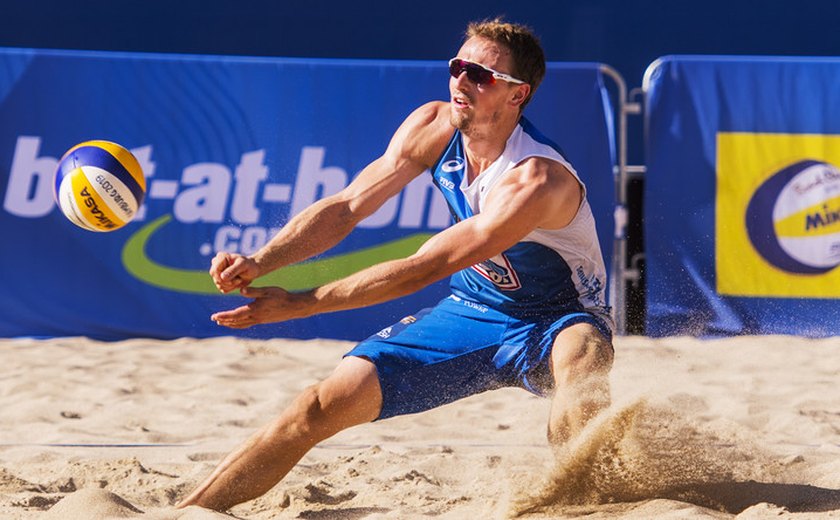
x=259 y=263
x=306 y=302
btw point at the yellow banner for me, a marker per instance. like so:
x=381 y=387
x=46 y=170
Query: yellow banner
x=778 y=215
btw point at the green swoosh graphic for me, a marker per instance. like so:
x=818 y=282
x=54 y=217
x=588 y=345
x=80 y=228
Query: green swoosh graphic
x=293 y=278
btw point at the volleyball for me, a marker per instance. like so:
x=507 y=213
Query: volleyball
x=99 y=185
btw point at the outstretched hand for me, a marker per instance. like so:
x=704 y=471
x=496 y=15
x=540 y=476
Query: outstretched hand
x=269 y=305
x=231 y=271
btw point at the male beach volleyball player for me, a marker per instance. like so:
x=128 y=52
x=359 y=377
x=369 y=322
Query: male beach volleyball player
x=527 y=306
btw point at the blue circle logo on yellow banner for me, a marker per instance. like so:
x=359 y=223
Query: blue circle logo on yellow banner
x=793 y=218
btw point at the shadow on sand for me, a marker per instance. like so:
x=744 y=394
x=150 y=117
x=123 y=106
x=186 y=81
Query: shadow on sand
x=734 y=497
x=348 y=513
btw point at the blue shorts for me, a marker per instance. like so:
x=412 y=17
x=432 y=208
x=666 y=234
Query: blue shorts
x=460 y=348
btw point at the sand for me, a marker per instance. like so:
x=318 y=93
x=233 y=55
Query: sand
x=744 y=428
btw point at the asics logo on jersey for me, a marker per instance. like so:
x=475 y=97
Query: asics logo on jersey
x=453 y=165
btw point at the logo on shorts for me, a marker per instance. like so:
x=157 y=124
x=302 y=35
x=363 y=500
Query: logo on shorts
x=499 y=271
x=408 y=320
x=385 y=333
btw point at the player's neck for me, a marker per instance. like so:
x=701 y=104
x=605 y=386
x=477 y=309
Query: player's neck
x=484 y=145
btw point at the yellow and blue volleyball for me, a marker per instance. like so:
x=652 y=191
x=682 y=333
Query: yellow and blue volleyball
x=99 y=185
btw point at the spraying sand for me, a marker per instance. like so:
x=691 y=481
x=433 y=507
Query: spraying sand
x=746 y=427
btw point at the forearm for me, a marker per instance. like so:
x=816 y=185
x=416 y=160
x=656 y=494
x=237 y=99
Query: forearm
x=313 y=231
x=447 y=252
x=377 y=284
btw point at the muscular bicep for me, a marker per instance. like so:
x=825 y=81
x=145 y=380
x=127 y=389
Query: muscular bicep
x=524 y=201
x=378 y=182
x=413 y=149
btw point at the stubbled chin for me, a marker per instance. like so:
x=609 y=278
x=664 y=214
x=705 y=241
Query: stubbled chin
x=458 y=118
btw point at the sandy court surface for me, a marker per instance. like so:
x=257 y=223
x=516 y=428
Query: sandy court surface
x=746 y=427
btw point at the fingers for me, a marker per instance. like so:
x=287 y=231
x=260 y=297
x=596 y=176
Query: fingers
x=230 y=271
x=238 y=318
x=219 y=263
x=235 y=267
x=269 y=305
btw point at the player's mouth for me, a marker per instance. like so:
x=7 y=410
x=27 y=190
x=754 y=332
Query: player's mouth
x=460 y=101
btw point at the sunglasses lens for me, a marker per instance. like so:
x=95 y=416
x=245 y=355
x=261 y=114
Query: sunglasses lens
x=475 y=73
x=456 y=67
x=479 y=75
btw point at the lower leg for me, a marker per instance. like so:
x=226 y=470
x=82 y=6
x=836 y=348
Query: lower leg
x=574 y=406
x=350 y=396
x=581 y=361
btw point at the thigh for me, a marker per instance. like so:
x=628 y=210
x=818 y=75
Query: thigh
x=351 y=394
x=537 y=347
x=434 y=357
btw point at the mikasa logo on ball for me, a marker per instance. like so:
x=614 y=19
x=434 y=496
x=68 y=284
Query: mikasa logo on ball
x=793 y=218
x=96 y=213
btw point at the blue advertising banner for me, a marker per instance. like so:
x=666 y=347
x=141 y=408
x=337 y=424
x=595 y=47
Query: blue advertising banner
x=742 y=196
x=231 y=149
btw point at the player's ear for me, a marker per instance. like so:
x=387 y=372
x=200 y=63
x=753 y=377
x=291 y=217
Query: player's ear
x=520 y=94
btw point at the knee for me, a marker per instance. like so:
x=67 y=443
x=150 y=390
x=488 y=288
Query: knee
x=587 y=357
x=311 y=405
x=350 y=396
x=598 y=354
x=307 y=416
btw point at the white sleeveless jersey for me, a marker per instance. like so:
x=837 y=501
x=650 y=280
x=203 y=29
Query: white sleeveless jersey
x=549 y=271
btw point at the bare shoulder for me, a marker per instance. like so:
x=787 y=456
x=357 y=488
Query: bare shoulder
x=547 y=185
x=433 y=113
x=546 y=174
x=424 y=133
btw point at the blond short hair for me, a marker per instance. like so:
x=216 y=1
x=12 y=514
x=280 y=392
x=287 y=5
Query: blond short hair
x=528 y=56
